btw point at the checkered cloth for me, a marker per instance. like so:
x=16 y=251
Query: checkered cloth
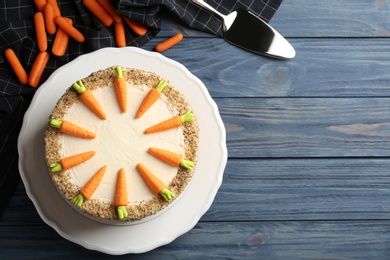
x=17 y=32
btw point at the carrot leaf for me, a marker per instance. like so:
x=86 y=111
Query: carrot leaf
x=122 y=213
x=78 y=200
x=79 y=87
x=55 y=123
x=167 y=194
x=118 y=72
x=187 y=164
x=161 y=85
x=55 y=167
x=187 y=117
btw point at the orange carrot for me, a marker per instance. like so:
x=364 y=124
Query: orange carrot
x=120 y=37
x=107 y=5
x=163 y=46
x=173 y=122
x=61 y=41
x=16 y=66
x=90 y=187
x=121 y=200
x=71 y=129
x=172 y=158
x=152 y=96
x=71 y=161
x=50 y=25
x=138 y=28
x=121 y=89
x=40 y=31
x=38 y=68
x=69 y=29
x=40 y=4
x=89 y=99
x=56 y=9
x=101 y=14
x=154 y=183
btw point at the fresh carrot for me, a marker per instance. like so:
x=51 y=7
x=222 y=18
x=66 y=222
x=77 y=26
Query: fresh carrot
x=40 y=31
x=173 y=122
x=40 y=4
x=150 y=98
x=71 y=161
x=38 y=68
x=101 y=14
x=120 y=37
x=89 y=99
x=56 y=9
x=121 y=200
x=16 y=66
x=154 y=183
x=165 y=45
x=61 y=41
x=108 y=6
x=172 y=158
x=137 y=27
x=120 y=89
x=69 y=29
x=50 y=25
x=69 y=128
x=90 y=187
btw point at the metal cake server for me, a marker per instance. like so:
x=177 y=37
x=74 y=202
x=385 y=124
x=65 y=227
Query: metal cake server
x=245 y=30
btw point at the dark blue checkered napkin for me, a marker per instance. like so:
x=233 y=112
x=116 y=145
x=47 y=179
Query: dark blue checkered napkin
x=17 y=32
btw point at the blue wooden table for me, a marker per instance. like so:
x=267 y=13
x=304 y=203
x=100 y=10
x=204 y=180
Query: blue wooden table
x=308 y=173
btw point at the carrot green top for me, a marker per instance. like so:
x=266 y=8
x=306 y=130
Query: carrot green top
x=187 y=117
x=79 y=87
x=56 y=167
x=161 y=85
x=118 y=72
x=55 y=123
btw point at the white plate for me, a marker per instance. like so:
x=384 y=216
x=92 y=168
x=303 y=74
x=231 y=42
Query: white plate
x=110 y=239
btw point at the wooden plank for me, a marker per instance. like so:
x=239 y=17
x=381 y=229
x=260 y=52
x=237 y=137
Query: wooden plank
x=233 y=240
x=306 y=127
x=322 y=68
x=303 y=189
x=300 y=18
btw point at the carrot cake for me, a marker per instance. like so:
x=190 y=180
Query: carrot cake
x=121 y=144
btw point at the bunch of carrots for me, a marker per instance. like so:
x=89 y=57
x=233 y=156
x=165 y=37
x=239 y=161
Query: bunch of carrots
x=48 y=21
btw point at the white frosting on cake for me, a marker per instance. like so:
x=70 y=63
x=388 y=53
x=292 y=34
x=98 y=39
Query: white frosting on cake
x=121 y=142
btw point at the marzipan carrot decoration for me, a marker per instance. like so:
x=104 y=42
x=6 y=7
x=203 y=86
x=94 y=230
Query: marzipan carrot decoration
x=71 y=129
x=172 y=158
x=71 y=161
x=40 y=31
x=16 y=66
x=38 y=68
x=120 y=37
x=120 y=89
x=90 y=187
x=101 y=14
x=56 y=9
x=89 y=99
x=69 y=29
x=151 y=98
x=173 y=122
x=61 y=41
x=154 y=183
x=165 y=45
x=50 y=24
x=40 y=4
x=138 y=28
x=107 y=5
x=121 y=200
